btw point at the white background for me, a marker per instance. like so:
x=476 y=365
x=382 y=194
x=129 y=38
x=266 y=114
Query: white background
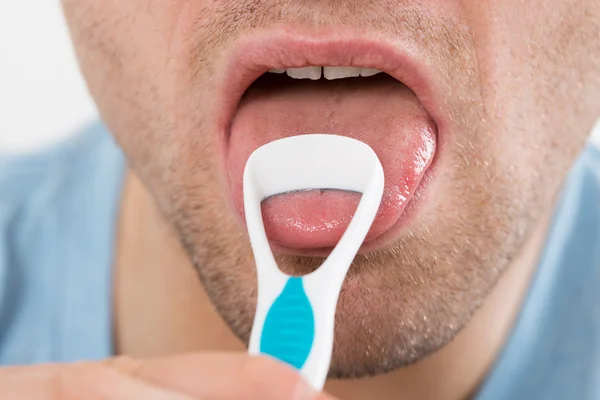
x=42 y=96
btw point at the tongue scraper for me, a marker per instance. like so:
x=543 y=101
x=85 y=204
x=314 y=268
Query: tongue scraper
x=294 y=320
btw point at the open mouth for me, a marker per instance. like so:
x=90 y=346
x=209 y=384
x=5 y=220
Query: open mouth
x=287 y=87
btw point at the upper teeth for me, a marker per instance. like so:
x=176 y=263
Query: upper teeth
x=329 y=73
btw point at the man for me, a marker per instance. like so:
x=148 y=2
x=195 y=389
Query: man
x=479 y=277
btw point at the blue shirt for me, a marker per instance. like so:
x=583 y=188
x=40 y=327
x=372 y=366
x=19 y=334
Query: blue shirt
x=58 y=219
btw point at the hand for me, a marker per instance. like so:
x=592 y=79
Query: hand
x=204 y=376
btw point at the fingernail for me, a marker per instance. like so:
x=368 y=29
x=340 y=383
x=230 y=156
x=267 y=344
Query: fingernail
x=305 y=392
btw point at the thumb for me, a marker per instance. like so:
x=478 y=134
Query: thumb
x=228 y=376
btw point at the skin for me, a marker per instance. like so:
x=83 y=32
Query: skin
x=525 y=79
x=184 y=320
x=169 y=378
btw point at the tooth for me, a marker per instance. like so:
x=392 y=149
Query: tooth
x=340 y=72
x=313 y=73
x=277 y=71
x=369 y=72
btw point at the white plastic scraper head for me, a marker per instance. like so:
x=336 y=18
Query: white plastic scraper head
x=294 y=319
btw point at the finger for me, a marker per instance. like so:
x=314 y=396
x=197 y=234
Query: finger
x=228 y=376
x=106 y=383
x=79 y=381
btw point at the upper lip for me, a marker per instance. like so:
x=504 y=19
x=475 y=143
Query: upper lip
x=284 y=47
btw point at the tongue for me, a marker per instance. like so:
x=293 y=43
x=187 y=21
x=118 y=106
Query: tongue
x=379 y=111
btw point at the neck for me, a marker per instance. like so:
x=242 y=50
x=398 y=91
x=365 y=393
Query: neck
x=157 y=290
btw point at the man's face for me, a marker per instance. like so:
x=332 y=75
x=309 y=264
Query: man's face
x=480 y=111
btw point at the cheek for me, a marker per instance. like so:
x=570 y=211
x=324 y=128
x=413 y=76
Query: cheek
x=119 y=47
x=120 y=44
x=135 y=58
x=530 y=76
x=129 y=47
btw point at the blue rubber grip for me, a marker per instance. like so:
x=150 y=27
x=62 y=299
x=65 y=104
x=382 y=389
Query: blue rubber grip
x=289 y=328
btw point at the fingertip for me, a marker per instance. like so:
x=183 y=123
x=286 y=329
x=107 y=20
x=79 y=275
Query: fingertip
x=283 y=372
x=304 y=391
x=280 y=380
